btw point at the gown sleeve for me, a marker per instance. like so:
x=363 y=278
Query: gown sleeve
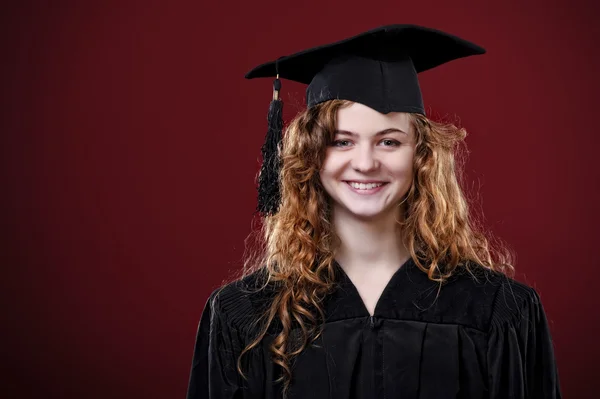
x=214 y=373
x=520 y=356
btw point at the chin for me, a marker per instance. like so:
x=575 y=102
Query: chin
x=362 y=213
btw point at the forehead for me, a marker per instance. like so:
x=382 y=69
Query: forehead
x=361 y=119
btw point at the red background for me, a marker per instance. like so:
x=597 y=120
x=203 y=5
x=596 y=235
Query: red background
x=130 y=142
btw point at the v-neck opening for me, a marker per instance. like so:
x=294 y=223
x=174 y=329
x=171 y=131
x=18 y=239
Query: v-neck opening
x=389 y=285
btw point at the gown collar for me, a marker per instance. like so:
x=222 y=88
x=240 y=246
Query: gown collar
x=407 y=286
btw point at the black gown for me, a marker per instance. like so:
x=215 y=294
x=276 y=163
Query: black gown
x=480 y=339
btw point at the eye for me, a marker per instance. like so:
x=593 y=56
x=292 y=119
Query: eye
x=340 y=143
x=390 y=143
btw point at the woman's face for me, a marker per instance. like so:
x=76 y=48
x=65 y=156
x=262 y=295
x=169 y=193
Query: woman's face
x=368 y=166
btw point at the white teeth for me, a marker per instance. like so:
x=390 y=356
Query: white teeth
x=363 y=186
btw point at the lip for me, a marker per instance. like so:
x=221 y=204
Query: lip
x=364 y=181
x=370 y=191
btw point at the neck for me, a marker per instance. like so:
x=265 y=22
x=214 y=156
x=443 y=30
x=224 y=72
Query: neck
x=369 y=243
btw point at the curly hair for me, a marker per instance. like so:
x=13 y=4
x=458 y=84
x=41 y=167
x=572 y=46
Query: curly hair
x=297 y=245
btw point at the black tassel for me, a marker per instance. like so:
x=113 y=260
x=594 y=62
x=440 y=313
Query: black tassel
x=269 y=195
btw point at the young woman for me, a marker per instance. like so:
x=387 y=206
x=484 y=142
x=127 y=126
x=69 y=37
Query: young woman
x=374 y=281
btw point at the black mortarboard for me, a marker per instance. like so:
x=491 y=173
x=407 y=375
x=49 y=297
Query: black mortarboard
x=377 y=68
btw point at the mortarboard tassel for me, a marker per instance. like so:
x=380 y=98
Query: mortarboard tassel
x=269 y=195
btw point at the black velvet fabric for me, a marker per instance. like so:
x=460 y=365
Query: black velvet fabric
x=482 y=338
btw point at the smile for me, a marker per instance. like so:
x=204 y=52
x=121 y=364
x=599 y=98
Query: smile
x=365 y=188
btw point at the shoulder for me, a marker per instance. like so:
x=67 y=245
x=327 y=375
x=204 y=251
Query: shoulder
x=515 y=303
x=242 y=301
x=489 y=298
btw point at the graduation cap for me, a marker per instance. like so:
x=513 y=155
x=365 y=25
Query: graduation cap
x=377 y=68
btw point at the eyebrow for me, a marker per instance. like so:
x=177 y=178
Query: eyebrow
x=381 y=133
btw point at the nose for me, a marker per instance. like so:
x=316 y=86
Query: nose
x=364 y=159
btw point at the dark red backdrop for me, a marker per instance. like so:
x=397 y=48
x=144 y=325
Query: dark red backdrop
x=130 y=142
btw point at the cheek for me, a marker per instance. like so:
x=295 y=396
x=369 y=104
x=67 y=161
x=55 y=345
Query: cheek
x=332 y=167
x=327 y=180
x=327 y=175
x=405 y=169
x=401 y=168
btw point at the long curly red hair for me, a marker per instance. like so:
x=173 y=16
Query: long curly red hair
x=296 y=246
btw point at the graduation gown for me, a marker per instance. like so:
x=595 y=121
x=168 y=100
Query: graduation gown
x=484 y=338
